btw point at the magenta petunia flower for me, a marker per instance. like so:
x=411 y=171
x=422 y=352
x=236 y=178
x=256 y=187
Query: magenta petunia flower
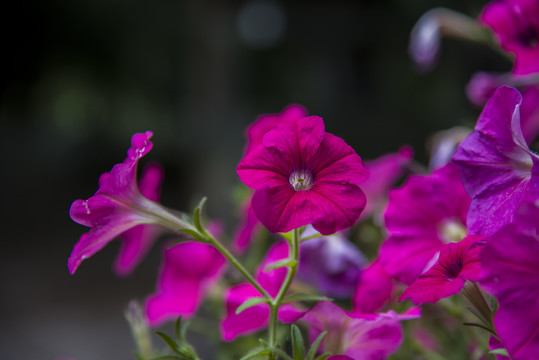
x=249 y=223
x=303 y=175
x=264 y=123
x=516 y=26
x=457 y=263
x=257 y=317
x=137 y=241
x=496 y=165
x=359 y=336
x=117 y=206
x=383 y=174
x=331 y=264
x=511 y=274
x=423 y=215
x=374 y=289
x=189 y=270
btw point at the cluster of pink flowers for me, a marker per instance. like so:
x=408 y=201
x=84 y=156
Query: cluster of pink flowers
x=469 y=225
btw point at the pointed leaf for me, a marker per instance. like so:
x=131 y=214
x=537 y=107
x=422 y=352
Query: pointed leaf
x=196 y=215
x=305 y=297
x=177 y=327
x=499 y=352
x=298 y=348
x=249 y=303
x=324 y=356
x=256 y=352
x=481 y=326
x=314 y=347
x=280 y=264
x=281 y=353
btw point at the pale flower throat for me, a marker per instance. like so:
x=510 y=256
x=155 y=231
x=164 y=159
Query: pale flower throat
x=301 y=180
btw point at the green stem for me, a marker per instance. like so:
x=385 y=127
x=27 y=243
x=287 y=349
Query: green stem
x=277 y=302
x=220 y=247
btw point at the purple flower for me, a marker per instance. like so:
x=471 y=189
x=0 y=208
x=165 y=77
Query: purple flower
x=189 y=270
x=374 y=289
x=138 y=240
x=511 y=274
x=332 y=264
x=255 y=132
x=257 y=317
x=516 y=26
x=422 y=215
x=303 y=175
x=117 y=206
x=383 y=174
x=457 y=263
x=496 y=165
x=359 y=336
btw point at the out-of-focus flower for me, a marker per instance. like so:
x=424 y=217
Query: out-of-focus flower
x=257 y=317
x=188 y=271
x=137 y=241
x=303 y=175
x=497 y=167
x=515 y=24
x=254 y=134
x=427 y=33
x=510 y=273
x=443 y=145
x=332 y=264
x=383 y=174
x=423 y=215
x=358 y=336
x=374 y=289
x=457 y=263
x=118 y=206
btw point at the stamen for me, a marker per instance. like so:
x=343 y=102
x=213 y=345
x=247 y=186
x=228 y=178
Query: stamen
x=301 y=180
x=452 y=231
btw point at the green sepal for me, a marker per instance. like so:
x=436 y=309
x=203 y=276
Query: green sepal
x=172 y=344
x=315 y=345
x=194 y=234
x=480 y=326
x=305 y=297
x=196 y=215
x=324 y=356
x=287 y=236
x=249 y=303
x=280 y=264
x=298 y=348
x=477 y=314
x=256 y=352
x=500 y=352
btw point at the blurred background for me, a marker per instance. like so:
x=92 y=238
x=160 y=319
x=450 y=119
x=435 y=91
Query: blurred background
x=80 y=77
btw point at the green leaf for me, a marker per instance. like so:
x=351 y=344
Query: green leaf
x=324 y=356
x=305 y=297
x=249 y=303
x=280 y=264
x=314 y=347
x=477 y=314
x=173 y=345
x=196 y=215
x=256 y=352
x=281 y=353
x=480 y=326
x=177 y=327
x=499 y=352
x=194 y=234
x=298 y=348
x=168 y=357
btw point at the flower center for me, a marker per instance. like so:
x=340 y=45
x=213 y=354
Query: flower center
x=301 y=180
x=452 y=231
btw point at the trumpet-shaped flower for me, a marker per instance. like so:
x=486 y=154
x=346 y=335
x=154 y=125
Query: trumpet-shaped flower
x=137 y=241
x=421 y=216
x=117 y=206
x=257 y=317
x=254 y=134
x=497 y=167
x=516 y=26
x=189 y=270
x=457 y=263
x=358 y=336
x=303 y=175
x=511 y=274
